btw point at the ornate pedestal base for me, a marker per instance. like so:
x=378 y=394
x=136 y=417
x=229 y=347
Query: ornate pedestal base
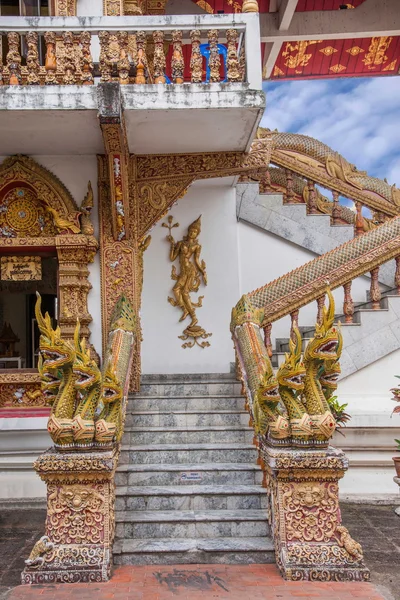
x=310 y=541
x=77 y=546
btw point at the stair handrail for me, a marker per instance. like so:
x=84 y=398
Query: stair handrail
x=318 y=163
x=336 y=268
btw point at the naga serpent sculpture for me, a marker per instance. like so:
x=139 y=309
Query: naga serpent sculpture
x=289 y=408
x=321 y=158
x=58 y=357
x=322 y=349
x=86 y=407
x=290 y=377
x=88 y=388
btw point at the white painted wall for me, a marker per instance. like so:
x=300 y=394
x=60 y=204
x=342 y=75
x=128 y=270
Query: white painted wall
x=89 y=8
x=264 y=257
x=162 y=350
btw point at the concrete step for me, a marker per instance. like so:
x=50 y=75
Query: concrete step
x=191 y=497
x=199 y=388
x=182 y=403
x=187 y=435
x=191 y=524
x=244 y=550
x=192 y=418
x=184 y=475
x=188 y=453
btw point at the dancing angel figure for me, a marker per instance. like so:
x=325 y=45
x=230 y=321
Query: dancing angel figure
x=192 y=271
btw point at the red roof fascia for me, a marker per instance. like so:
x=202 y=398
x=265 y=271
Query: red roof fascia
x=338 y=58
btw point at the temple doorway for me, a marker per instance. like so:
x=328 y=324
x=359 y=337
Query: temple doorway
x=21 y=278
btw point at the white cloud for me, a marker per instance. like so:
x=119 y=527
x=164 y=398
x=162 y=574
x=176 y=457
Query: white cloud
x=360 y=118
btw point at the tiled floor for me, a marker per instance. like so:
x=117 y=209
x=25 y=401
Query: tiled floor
x=199 y=582
x=377 y=528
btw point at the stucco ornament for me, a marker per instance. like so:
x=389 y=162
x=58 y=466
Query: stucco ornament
x=188 y=280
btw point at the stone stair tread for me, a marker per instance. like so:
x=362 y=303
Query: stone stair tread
x=189 y=467
x=189 y=490
x=220 y=446
x=139 y=396
x=156 y=429
x=178 y=516
x=190 y=412
x=255 y=544
x=187 y=377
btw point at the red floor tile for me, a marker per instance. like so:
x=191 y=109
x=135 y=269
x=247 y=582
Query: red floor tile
x=199 y=582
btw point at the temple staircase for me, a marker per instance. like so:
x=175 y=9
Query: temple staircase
x=188 y=484
x=374 y=333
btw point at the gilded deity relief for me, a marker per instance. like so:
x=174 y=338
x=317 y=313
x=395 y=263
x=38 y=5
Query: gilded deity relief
x=188 y=280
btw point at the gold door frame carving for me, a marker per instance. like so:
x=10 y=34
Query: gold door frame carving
x=74 y=251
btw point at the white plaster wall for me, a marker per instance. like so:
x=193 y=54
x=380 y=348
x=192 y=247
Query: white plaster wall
x=162 y=350
x=264 y=257
x=89 y=8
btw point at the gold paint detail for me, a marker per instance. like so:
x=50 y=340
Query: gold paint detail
x=355 y=50
x=299 y=58
x=328 y=50
x=337 y=68
x=376 y=54
x=188 y=280
x=21 y=268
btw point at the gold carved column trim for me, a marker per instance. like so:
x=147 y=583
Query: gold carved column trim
x=120 y=264
x=74 y=254
x=65 y=8
x=117 y=154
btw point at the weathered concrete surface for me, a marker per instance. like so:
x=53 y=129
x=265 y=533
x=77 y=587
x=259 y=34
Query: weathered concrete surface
x=159 y=118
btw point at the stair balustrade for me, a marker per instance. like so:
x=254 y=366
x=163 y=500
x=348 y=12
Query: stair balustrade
x=56 y=54
x=289 y=409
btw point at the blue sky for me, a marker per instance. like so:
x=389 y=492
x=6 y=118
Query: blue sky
x=358 y=117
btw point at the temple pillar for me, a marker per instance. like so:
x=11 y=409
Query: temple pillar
x=74 y=253
x=79 y=531
x=310 y=541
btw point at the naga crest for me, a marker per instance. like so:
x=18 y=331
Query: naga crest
x=330 y=369
x=86 y=372
x=50 y=381
x=111 y=388
x=325 y=342
x=292 y=372
x=56 y=352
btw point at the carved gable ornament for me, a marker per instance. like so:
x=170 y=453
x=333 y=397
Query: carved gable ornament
x=33 y=202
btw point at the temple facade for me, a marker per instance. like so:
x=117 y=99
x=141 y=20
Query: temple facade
x=211 y=302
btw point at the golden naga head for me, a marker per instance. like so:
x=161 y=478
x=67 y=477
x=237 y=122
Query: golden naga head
x=111 y=388
x=86 y=372
x=330 y=370
x=268 y=393
x=292 y=372
x=50 y=381
x=325 y=342
x=56 y=352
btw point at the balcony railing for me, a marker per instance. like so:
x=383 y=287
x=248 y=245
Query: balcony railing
x=131 y=50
